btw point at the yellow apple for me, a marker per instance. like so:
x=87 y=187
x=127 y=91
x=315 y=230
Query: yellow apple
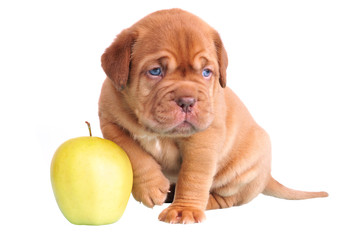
x=92 y=180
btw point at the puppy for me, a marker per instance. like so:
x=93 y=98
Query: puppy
x=165 y=102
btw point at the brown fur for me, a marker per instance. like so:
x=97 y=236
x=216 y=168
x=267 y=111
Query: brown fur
x=215 y=153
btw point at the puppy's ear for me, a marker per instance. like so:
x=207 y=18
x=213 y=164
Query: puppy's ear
x=116 y=59
x=222 y=59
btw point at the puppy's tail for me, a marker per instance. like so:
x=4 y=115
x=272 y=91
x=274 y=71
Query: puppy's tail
x=275 y=189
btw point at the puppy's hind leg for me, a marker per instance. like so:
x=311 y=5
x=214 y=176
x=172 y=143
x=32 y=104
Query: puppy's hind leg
x=216 y=201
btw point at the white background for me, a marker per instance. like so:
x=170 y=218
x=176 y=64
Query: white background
x=295 y=64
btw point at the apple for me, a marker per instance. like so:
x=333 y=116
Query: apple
x=92 y=180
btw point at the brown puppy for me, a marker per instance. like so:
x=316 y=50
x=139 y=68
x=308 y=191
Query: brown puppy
x=165 y=102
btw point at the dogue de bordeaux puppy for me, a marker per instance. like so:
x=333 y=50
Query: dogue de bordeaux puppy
x=165 y=102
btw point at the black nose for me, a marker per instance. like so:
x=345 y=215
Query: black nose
x=186 y=103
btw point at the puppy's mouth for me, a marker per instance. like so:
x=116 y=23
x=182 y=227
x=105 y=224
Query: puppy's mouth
x=174 y=118
x=183 y=128
x=182 y=124
x=176 y=124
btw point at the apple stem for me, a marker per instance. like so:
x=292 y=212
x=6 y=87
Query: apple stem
x=89 y=128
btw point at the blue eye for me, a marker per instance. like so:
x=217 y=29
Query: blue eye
x=155 y=71
x=206 y=73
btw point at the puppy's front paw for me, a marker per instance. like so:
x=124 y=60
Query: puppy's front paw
x=151 y=191
x=184 y=215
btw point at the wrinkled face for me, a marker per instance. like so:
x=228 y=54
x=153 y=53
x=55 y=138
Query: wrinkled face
x=174 y=74
x=175 y=82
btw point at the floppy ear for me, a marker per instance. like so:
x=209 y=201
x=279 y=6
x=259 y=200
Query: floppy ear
x=222 y=59
x=116 y=59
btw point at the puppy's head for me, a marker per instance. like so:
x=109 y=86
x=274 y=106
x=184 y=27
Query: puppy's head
x=169 y=66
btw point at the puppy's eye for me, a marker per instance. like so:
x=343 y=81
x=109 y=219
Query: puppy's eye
x=206 y=73
x=155 y=72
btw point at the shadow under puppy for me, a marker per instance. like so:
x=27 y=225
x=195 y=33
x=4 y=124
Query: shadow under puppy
x=165 y=102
